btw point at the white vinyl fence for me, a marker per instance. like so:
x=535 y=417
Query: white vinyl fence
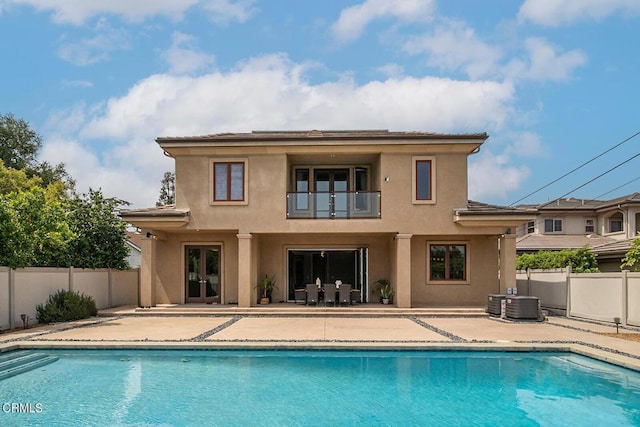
x=22 y=289
x=594 y=296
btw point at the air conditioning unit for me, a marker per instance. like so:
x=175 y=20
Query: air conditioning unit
x=494 y=304
x=522 y=307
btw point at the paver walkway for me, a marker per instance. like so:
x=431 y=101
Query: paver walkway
x=404 y=330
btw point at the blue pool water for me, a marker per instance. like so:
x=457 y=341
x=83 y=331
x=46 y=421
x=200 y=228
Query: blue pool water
x=316 y=388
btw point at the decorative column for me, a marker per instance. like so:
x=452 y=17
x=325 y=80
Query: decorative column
x=147 y=272
x=507 y=262
x=403 y=271
x=245 y=267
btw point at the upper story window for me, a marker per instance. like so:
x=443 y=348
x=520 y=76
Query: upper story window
x=616 y=222
x=424 y=174
x=229 y=181
x=589 y=225
x=531 y=227
x=552 y=225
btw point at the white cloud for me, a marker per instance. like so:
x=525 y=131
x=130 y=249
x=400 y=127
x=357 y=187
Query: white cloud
x=353 y=20
x=77 y=12
x=453 y=46
x=225 y=11
x=97 y=48
x=483 y=170
x=391 y=70
x=556 y=13
x=132 y=174
x=545 y=63
x=183 y=57
x=269 y=92
x=525 y=144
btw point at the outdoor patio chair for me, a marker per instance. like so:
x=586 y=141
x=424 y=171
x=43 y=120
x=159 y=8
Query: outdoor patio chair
x=312 y=294
x=345 y=295
x=330 y=294
x=300 y=294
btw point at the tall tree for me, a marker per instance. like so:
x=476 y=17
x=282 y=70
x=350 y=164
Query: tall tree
x=33 y=230
x=16 y=180
x=19 y=144
x=168 y=190
x=19 y=147
x=100 y=240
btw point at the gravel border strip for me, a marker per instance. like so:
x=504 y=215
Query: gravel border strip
x=439 y=331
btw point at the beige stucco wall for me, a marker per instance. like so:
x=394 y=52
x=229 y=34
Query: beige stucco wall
x=273 y=254
x=482 y=273
x=262 y=220
x=171 y=270
x=268 y=177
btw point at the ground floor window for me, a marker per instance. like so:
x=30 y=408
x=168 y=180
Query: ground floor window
x=448 y=261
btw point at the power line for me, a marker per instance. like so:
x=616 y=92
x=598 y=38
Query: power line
x=618 y=187
x=577 y=168
x=593 y=179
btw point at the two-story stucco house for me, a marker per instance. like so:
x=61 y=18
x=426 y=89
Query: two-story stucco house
x=607 y=226
x=353 y=206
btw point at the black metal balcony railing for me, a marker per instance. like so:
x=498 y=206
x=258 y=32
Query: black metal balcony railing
x=333 y=205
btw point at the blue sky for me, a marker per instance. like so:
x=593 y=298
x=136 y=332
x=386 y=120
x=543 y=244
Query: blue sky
x=553 y=83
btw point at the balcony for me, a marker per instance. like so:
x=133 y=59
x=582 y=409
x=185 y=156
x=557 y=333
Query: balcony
x=333 y=205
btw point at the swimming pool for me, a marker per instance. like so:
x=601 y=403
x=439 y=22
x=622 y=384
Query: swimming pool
x=270 y=387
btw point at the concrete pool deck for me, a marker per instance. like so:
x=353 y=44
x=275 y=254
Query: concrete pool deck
x=328 y=328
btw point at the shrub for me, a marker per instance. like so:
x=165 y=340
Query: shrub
x=65 y=306
x=581 y=260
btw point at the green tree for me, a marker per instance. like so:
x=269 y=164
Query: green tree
x=16 y=180
x=19 y=144
x=632 y=257
x=33 y=231
x=19 y=147
x=168 y=190
x=581 y=260
x=99 y=239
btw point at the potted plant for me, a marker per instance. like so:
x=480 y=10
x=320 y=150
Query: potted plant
x=266 y=286
x=386 y=292
x=384 y=289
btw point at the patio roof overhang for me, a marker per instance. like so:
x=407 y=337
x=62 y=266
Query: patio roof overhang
x=477 y=214
x=163 y=217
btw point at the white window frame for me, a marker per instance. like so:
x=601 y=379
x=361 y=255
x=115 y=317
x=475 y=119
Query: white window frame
x=414 y=182
x=554 y=222
x=589 y=223
x=530 y=227
x=610 y=220
x=212 y=162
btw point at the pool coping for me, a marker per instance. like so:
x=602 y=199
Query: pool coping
x=580 y=348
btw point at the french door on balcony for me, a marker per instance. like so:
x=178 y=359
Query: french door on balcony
x=332 y=197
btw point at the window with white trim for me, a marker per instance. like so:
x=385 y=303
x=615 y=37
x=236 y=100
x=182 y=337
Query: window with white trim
x=589 y=225
x=616 y=222
x=531 y=227
x=552 y=225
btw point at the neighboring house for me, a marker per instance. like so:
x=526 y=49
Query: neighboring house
x=134 y=239
x=354 y=206
x=607 y=226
